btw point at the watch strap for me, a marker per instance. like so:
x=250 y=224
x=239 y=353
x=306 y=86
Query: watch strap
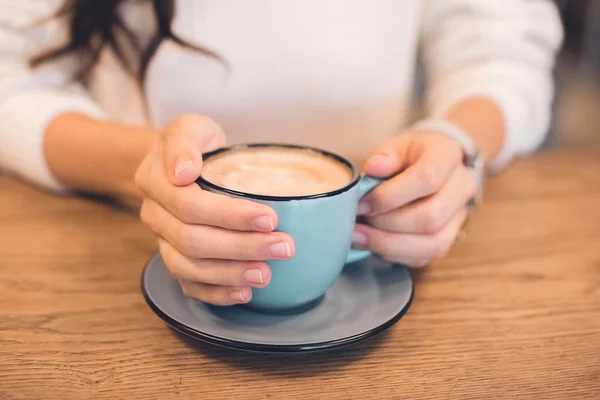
x=452 y=131
x=472 y=156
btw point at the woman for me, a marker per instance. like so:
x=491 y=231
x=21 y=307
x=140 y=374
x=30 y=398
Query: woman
x=108 y=88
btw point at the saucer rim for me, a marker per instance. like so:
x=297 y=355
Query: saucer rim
x=270 y=348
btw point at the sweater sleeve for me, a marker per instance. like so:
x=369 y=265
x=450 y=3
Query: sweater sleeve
x=500 y=49
x=31 y=99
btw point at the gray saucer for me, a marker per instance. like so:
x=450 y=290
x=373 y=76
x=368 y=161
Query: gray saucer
x=369 y=297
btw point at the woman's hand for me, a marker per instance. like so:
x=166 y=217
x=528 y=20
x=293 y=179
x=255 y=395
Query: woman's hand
x=417 y=214
x=216 y=246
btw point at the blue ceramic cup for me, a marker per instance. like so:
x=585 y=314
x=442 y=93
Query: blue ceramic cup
x=321 y=226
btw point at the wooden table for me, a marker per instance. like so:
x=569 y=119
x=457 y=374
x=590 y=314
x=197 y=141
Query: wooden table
x=513 y=312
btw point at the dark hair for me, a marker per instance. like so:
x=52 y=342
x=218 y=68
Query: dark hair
x=95 y=24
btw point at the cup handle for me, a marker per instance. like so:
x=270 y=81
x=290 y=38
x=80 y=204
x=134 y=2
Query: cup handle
x=365 y=185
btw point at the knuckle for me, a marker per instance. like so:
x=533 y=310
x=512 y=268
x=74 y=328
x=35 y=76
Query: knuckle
x=214 y=295
x=146 y=215
x=186 y=121
x=253 y=246
x=433 y=217
x=187 y=289
x=142 y=178
x=184 y=208
x=379 y=195
x=210 y=125
x=146 y=167
x=385 y=246
x=440 y=247
x=245 y=250
x=184 y=239
x=229 y=220
x=174 y=264
x=378 y=221
x=228 y=275
x=200 y=292
x=196 y=123
x=139 y=176
x=223 y=211
x=174 y=267
x=144 y=212
x=430 y=177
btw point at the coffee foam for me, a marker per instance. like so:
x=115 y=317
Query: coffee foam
x=276 y=171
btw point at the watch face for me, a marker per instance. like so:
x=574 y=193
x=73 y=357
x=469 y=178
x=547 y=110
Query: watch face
x=470 y=160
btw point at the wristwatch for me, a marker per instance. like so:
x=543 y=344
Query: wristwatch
x=472 y=156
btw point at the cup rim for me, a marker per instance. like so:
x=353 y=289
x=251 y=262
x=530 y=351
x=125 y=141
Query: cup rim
x=350 y=185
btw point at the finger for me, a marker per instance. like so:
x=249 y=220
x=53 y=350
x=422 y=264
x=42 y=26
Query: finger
x=215 y=272
x=431 y=214
x=202 y=241
x=184 y=141
x=216 y=295
x=407 y=247
x=389 y=157
x=192 y=205
x=425 y=176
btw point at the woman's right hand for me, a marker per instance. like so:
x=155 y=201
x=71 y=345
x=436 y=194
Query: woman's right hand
x=216 y=246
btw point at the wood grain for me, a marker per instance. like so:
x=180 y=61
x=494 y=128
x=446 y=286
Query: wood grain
x=512 y=313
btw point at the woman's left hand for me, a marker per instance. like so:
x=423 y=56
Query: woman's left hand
x=417 y=214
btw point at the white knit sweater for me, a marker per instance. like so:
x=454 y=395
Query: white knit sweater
x=337 y=74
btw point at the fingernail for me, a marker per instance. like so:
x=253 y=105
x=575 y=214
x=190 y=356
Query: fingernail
x=264 y=223
x=254 y=276
x=182 y=164
x=364 y=208
x=240 y=296
x=280 y=250
x=359 y=238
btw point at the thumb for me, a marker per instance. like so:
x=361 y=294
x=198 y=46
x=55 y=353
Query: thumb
x=388 y=158
x=184 y=141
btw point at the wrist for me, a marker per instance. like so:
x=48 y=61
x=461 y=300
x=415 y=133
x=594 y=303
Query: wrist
x=472 y=156
x=97 y=156
x=450 y=131
x=131 y=147
x=482 y=119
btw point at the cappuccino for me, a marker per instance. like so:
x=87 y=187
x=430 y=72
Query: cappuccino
x=276 y=171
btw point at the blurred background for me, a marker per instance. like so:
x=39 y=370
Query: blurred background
x=577 y=107
x=576 y=117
